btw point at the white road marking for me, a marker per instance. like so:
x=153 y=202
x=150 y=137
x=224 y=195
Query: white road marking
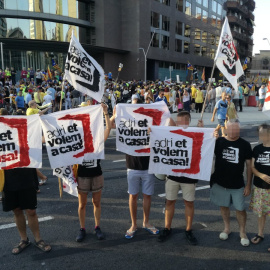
x=180 y=191
x=11 y=225
x=120 y=160
x=254 y=142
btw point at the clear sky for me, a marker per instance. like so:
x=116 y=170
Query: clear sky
x=262 y=29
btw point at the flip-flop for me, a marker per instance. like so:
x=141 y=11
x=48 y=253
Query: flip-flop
x=152 y=230
x=21 y=246
x=257 y=238
x=42 y=246
x=244 y=242
x=130 y=234
x=224 y=236
x=43 y=182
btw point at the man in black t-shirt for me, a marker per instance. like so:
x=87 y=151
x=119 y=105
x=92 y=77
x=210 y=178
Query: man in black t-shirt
x=19 y=194
x=232 y=152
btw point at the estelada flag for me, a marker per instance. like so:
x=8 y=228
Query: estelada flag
x=49 y=73
x=203 y=75
x=227 y=59
x=245 y=64
x=266 y=105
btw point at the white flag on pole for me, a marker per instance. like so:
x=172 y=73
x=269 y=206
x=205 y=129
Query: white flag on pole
x=227 y=59
x=83 y=71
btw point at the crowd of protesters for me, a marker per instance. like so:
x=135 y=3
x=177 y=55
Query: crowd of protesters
x=33 y=94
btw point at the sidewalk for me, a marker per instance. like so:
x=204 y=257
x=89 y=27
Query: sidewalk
x=250 y=116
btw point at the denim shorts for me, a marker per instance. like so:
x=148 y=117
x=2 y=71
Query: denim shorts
x=136 y=178
x=221 y=122
x=224 y=197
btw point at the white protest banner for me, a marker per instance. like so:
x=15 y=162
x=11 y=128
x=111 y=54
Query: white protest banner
x=73 y=135
x=83 y=72
x=20 y=142
x=132 y=121
x=182 y=152
x=69 y=181
x=266 y=105
x=227 y=59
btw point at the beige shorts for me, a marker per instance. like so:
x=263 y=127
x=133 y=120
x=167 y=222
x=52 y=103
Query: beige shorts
x=172 y=188
x=87 y=184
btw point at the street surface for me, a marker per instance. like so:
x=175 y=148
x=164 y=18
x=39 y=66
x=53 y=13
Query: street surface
x=60 y=226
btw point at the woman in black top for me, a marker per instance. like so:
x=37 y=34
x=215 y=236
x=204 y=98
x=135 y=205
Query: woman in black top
x=90 y=179
x=260 y=199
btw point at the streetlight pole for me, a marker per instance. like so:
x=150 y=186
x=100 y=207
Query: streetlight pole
x=267 y=40
x=2 y=56
x=146 y=52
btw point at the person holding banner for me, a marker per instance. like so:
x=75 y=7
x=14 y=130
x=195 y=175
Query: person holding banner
x=227 y=181
x=173 y=185
x=90 y=179
x=260 y=199
x=19 y=195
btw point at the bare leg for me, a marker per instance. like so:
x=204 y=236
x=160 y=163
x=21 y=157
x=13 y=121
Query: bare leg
x=189 y=214
x=33 y=223
x=41 y=175
x=225 y=212
x=82 y=197
x=133 y=211
x=169 y=213
x=241 y=218
x=20 y=222
x=261 y=224
x=97 y=206
x=146 y=210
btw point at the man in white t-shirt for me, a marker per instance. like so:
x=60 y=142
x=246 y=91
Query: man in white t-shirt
x=262 y=93
x=218 y=93
x=48 y=99
x=235 y=96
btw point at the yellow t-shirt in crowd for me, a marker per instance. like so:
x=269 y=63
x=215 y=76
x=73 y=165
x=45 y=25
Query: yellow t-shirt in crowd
x=31 y=111
x=199 y=98
x=41 y=97
x=193 y=91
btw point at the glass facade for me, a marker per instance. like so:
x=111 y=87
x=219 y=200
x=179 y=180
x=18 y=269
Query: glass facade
x=58 y=7
x=34 y=29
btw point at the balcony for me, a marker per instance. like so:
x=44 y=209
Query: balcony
x=251 y=16
x=235 y=20
x=250 y=41
x=239 y=36
x=251 y=4
x=250 y=29
x=235 y=5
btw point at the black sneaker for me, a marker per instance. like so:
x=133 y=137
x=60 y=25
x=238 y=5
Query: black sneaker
x=191 y=238
x=164 y=234
x=80 y=237
x=100 y=235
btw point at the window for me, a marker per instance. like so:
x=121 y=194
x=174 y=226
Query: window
x=212 y=53
x=205 y=16
x=197 y=49
x=204 y=52
x=165 y=23
x=212 y=39
x=179 y=5
x=199 y=1
x=213 y=20
x=186 y=47
x=205 y=3
x=198 y=13
x=165 y=2
x=214 y=6
x=178 y=45
x=187 y=30
x=204 y=36
x=155 y=41
x=188 y=8
x=217 y=40
x=165 y=42
x=155 y=19
x=179 y=28
x=219 y=22
x=219 y=9
x=197 y=34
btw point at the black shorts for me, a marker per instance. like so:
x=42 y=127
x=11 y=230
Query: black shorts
x=23 y=199
x=193 y=100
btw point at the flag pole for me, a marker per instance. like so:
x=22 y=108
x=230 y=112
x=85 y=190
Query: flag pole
x=60 y=109
x=208 y=88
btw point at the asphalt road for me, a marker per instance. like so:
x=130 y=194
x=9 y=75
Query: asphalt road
x=142 y=252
